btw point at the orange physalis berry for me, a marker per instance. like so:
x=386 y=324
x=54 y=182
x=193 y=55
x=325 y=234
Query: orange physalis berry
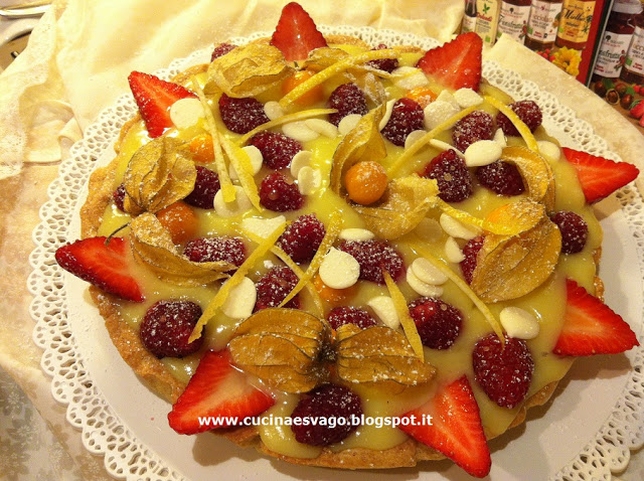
x=313 y=96
x=366 y=182
x=422 y=95
x=180 y=220
x=333 y=296
x=201 y=149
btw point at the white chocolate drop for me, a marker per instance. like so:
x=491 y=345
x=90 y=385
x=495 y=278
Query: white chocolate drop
x=384 y=308
x=519 y=323
x=231 y=209
x=421 y=287
x=241 y=300
x=457 y=229
x=483 y=152
x=427 y=272
x=186 y=112
x=339 y=270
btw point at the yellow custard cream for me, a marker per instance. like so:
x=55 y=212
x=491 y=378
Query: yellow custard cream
x=438 y=238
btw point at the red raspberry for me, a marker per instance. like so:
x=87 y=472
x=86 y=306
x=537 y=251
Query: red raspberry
x=278 y=195
x=341 y=315
x=470 y=251
x=503 y=372
x=385 y=64
x=527 y=110
x=502 y=178
x=406 y=116
x=347 y=99
x=206 y=186
x=221 y=50
x=274 y=286
x=479 y=125
x=166 y=327
x=374 y=257
x=302 y=238
x=437 y=322
x=277 y=149
x=574 y=231
x=451 y=174
x=118 y=196
x=241 y=115
x=332 y=402
x=215 y=249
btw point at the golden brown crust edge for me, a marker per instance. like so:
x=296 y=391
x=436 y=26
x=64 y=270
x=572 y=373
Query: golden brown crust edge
x=159 y=379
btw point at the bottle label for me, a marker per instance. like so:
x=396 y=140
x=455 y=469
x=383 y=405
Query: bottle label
x=576 y=18
x=513 y=20
x=635 y=57
x=469 y=24
x=612 y=54
x=487 y=15
x=544 y=19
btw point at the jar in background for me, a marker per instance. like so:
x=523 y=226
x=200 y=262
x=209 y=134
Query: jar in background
x=616 y=39
x=513 y=19
x=543 y=24
x=633 y=70
x=574 y=26
x=469 y=18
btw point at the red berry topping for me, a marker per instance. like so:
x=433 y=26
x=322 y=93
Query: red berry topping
x=341 y=315
x=574 y=231
x=274 y=286
x=278 y=195
x=221 y=50
x=347 y=99
x=407 y=115
x=502 y=178
x=166 y=327
x=375 y=257
x=451 y=174
x=118 y=196
x=503 y=371
x=216 y=249
x=527 y=110
x=277 y=149
x=241 y=115
x=385 y=64
x=479 y=125
x=438 y=323
x=302 y=238
x=470 y=251
x=332 y=402
x=206 y=186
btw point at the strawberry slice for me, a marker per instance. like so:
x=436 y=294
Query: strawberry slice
x=218 y=392
x=102 y=262
x=154 y=97
x=599 y=177
x=296 y=33
x=455 y=429
x=456 y=64
x=591 y=327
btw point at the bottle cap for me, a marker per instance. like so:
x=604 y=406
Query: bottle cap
x=627 y=6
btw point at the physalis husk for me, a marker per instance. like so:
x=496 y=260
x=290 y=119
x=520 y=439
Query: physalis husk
x=380 y=356
x=157 y=175
x=284 y=348
x=536 y=173
x=363 y=142
x=407 y=201
x=509 y=267
x=152 y=245
x=249 y=70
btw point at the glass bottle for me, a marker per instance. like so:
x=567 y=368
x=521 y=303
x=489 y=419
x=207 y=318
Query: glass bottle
x=633 y=70
x=574 y=26
x=487 y=17
x=513 y=19
x=611 y=54
x=469 y=19
x=543 y=24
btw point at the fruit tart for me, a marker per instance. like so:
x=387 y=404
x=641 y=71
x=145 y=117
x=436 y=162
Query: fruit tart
x=347 y=255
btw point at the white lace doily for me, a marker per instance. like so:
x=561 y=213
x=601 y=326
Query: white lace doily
x=126 y=456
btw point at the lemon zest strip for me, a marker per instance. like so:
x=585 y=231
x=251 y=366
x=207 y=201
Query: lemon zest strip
x=408 y=324
x=520 y=125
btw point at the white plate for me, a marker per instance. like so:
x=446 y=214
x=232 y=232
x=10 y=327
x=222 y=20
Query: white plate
x=587 y=429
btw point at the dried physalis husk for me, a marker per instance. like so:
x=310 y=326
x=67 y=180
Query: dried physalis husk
x=408 y=199
x=536 y=173
x=152 y=245
x=157 y=175
x=509 y=267
x=284 y=348
x=379 y=356
x=323 y=57
x=249 y=70
x=363 y=142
